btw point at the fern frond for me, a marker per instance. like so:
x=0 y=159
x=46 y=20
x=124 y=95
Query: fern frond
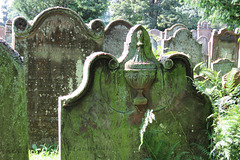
x=202 y=149
x=171 y=151
x=179 y=156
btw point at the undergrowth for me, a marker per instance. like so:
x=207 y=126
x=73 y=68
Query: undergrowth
x=45 y=152
x=224 y=94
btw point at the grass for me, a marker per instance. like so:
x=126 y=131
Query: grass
x=44 y=153
x=43 y=156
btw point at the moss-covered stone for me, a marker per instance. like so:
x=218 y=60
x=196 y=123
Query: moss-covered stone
x=99 y=119
x=13 y=108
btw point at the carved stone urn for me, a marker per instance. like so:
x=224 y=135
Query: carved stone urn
x=140 y=73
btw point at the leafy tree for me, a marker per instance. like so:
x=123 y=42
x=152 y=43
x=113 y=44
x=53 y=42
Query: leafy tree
x=158 y=14
x=224 y=11
x=88 y=9
x=4 y=11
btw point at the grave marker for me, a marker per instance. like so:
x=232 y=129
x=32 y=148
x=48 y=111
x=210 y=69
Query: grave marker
x=13 y=106
x=182 y=41
x=101 y=119
x=114 y=36
x=224 y=44
x=224 y=65
x=169 y=32
x=54 y=47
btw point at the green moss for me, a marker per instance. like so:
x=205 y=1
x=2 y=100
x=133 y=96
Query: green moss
x=13 y=112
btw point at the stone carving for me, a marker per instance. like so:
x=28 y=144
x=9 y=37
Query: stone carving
x=182 y=41
x=224 y=44
x=139 y=72
x=169 y=32
x=55 y=46
x=114 y=37
x=13 y=104
x=99 y=119
x=222 y=65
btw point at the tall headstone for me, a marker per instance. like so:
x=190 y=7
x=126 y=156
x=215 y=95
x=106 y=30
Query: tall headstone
x=182 y=41
x=223 y=66
x=204 y=29
x=102 y=118
x=169 y=32
x=114 y=36
x=204 y=42
x=224 y=44
x=8 y=31
x=55 y=46
x=13 y=106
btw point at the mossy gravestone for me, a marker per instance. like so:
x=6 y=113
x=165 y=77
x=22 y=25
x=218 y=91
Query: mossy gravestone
x=114 y=37
x=13 y=106
x=182 y=41
x=54 y=47
x=102 y=118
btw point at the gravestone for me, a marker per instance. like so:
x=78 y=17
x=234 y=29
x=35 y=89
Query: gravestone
x=224 y=44
x=102 y=118
x=204 y=29
x=224 y=65
x=13 y=104
x=169 y=32
x=114 y=36
x=156 y=38
x=54 y=47
x=182 y=41
x=8 y=31
x=194 y=34
x=156 y=34
x=204 y=42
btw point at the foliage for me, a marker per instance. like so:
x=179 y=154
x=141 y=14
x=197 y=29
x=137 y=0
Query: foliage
x=160 y=14
x=162 y=150
x=225 y=11
x=88 y=9
x=46 y=152
x=4 y=11
x=225 y=98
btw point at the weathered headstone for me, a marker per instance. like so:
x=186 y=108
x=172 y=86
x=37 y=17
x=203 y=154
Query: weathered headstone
x=114 y=37
x=204 y=29
x=169 y=32
x=156 y=34
x=224 y=65
x=194 y=34
x=13 y=106
x=102 y=118
x=204 y=42
x=156 y=38
x=54 y=47
x=182 y=41
x=224 y=44
x=8 y=31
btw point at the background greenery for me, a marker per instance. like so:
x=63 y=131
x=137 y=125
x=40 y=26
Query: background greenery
x=159 y=14
x=225 y=97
